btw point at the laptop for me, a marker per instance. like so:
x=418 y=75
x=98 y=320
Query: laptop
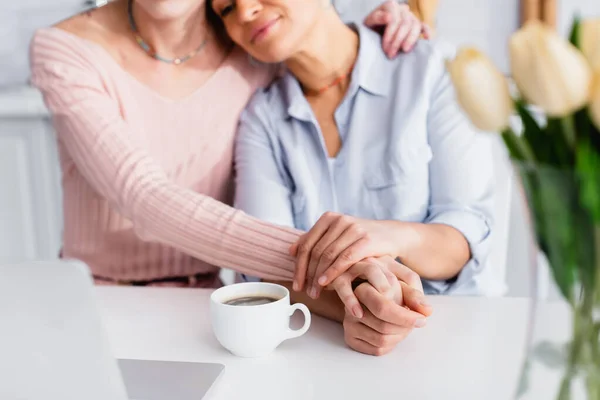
x=53 y=345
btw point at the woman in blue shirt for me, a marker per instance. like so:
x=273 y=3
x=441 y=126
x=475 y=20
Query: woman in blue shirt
x=360 y=148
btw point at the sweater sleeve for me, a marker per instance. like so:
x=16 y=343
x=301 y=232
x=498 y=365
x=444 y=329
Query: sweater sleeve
x=109 y=155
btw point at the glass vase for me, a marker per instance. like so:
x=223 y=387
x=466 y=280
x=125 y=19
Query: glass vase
x=563 y=360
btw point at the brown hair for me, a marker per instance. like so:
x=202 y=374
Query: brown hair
x=215 y=22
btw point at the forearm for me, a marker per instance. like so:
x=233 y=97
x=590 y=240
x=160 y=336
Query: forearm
x=434 y=251
x=328 y=305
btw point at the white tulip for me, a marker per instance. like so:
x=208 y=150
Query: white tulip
x=549 y=71
x=481 y=90
x=590 y=41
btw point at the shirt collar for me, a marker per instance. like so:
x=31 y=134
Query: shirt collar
x=371 y=72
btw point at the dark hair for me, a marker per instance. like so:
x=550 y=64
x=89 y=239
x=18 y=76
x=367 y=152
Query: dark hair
x=215 y=22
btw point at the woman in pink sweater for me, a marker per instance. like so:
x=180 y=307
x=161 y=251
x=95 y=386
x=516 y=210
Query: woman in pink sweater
x=145 y=101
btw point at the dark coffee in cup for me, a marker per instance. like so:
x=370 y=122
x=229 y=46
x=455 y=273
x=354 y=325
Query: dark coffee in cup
x=251 y=319
x=251 y=300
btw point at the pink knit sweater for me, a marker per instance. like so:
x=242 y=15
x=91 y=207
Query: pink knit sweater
x=146 y=179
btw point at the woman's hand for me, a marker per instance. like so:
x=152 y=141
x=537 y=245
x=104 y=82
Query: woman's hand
x=401 y=28
x=336 y=242
x=385 y=323
x=391 y=280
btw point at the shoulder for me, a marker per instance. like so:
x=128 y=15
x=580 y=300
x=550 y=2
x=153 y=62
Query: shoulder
x=58 y=56
x=420 y=72
x=428 y=56
x=267 y=104
x=68 y=51
x=80 y=35
x=105 y=25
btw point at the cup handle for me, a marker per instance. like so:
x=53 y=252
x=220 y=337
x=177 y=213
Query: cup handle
x=294 y=333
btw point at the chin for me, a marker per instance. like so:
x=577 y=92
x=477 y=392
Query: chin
x=270 y=54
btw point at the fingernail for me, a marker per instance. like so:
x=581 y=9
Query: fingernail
x=357 y=311
x=424 y=303
x=295 y=286
x=421 y=322
x=322 y=280
x=312 y=292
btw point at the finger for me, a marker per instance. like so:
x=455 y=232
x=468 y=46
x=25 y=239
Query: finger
x=293 y=250
x=343 y=288
x=405 y=274
x=377 y=18
x=301 y=264
x=415 y=300
x=393 y=21
x=324 y=254
x=397 y=13
x=374 y=338
x=389 y=33
x=373 y=272
x=412 y=37
x=383 y=327
x=345 y=240
x=426 y=31
x=305 y=244
x=366 y=348
x=400 y=36
x=359 y=250
x=387 y=310
x=395 y=293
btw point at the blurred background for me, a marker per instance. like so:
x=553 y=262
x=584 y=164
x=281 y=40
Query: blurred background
x=30 y=198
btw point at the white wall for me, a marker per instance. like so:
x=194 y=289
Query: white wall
x=18 y=21
x=485 y=24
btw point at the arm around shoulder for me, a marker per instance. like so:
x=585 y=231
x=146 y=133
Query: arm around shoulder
x=109 y=155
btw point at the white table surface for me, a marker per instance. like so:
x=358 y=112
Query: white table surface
x=472 y=348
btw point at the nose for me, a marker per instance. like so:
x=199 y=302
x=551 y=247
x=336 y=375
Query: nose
x=248 y=9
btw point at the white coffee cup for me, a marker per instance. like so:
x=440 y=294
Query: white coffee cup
x=254 y=330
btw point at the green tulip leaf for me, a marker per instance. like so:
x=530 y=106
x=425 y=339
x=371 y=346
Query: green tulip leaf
x=588 y=172
x=553 y=201
x=574 y=36
x=561 y=153
x=518 y=147
x=594 y=132
x=537 y=139
x=558 y=197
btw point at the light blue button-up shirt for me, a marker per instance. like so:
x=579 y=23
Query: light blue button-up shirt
x=408 y=154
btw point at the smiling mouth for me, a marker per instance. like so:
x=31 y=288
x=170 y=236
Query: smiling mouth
x=263 y=31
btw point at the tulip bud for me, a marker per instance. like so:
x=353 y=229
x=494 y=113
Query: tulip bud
x=594 y=106
x=481 y=90
x=589 y=41
x=549 y=71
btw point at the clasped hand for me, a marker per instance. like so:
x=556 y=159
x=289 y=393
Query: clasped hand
x=388 y=308
x=381 y=311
